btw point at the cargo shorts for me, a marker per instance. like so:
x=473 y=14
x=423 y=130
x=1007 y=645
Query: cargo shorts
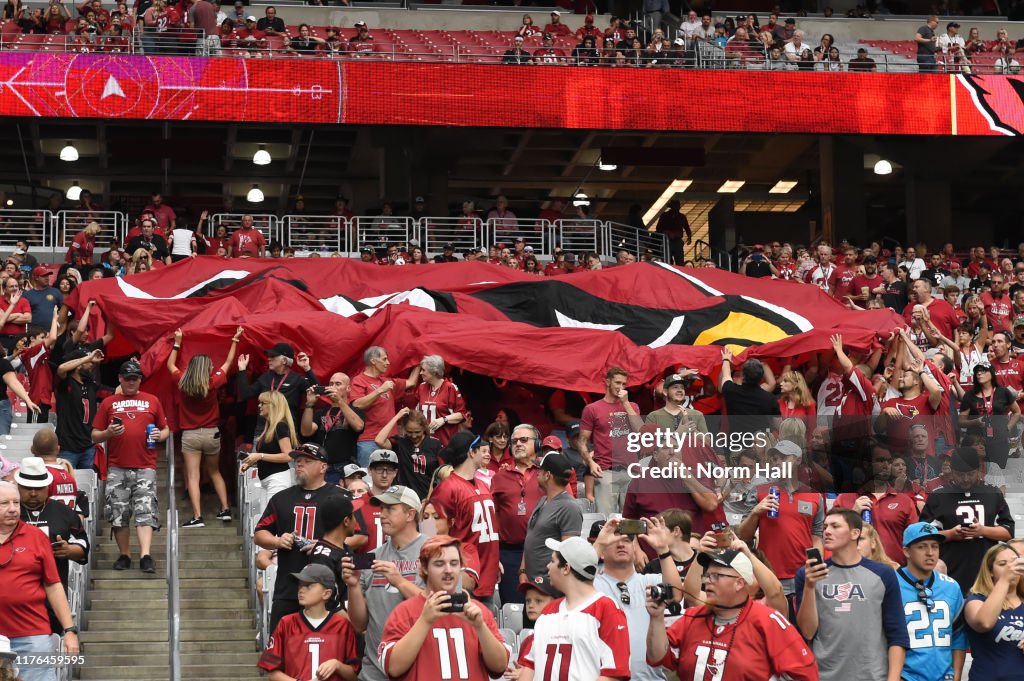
x=131 y=491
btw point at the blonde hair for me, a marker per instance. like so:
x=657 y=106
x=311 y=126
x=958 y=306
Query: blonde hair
x=439 y=476
x=195 y=380
x=877 y=552
x=985 y=582
x=277 y=412
x=803 y=393
x=92 y=229
x=793 y=429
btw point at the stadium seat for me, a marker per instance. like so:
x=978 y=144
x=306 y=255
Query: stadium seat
x=512 y=641
x=512 y=616
x=588 y=520
x=524 y=635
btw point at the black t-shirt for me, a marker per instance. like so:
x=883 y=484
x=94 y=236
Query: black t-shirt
x=156 y=245
x=759 y=268
x=749 y=407
x=5 y=368
x=416 y=465
x=895 y=296
x=929 y=47
x=266 y=468
x=76 y=407
x=59 y=519
x=294 y=510
x=951 y=506
x=934 y=276
x=335 y=435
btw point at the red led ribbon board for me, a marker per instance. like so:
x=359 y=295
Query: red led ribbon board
x=114 y=86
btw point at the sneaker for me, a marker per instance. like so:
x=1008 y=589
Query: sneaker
x=225 y=515
x=146 y=564
x=123 y=562
x=195 y=522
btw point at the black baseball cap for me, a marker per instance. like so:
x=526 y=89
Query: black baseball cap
x=460 y=443
x=572 y=429
x=556 y=464
x=965 y=460
x=281 y=349
x=309 y=450
x=130 y=368
x=334 y=508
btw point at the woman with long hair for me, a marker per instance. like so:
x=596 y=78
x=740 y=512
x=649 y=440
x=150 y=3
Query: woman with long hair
x=496 y=435
x=417 y=257
x=531 y=266
x=990 y=410
x=273 y=446
x=993 y=611
x=795 y=397
x=870 y=546
x=199 y=419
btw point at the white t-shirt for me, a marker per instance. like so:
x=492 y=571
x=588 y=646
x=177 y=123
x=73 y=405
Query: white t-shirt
x=182 y=242
x=945 y=40
x=795 y=50
x=915 y=267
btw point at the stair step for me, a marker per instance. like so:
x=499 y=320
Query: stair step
x=205 y=630
x=188 y=535
x=118 y=636
x=93 y=671
x=211 y=582
x=208 y=660
x=155 y=648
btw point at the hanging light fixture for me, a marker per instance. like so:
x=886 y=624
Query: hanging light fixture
x=69 y=153
x=255 y=194
x=606 y=166
x=262 y=156
x=74 y=191
x=883 y=167
x=580 y=199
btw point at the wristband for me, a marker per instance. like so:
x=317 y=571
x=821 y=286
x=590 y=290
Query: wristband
x=663 y=556
x=176 y=347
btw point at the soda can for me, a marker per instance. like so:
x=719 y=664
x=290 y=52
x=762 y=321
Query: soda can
x=774 y=491
x=150 y=436
x=866 y=516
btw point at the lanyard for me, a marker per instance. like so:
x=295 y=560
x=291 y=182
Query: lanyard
x=276 y=388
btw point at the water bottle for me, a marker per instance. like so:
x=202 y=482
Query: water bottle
x=774 y=492
x=151 y=436
x=866 y=516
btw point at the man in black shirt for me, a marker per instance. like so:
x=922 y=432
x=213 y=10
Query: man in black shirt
x=340 y=523
x=75 y=390
x=291 y=523
x=894 y=291
x=278 y=378
x=971 y=515
x=418 y=453
x=148 y=241
x=58 y=520
x=448 y=254
x=749 y=406
x=335 y=426
x=935 y=272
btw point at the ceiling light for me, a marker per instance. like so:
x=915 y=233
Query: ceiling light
x=10 y=202
x=69 y=153
x=262 y=156
x=606 y=166
x=255 y=194
x=731 y=186
x=883 y=167
x=783 y=187
x=674 y=188
x=74 y=191
x=580 y=199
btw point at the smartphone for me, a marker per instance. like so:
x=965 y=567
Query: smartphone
x=116 y=421
x=300 y=543
x=966 y=524
x=632 y=527
x=457 y=603
x=55 y=545
x=363 y=561
x=814 y=555
x=320 y=390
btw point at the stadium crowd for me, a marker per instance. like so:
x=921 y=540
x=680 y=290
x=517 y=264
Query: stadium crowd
x=863 y=532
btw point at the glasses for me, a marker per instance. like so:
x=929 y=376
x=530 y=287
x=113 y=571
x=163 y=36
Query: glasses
x=521 y=440
x=924 y=594
x=624 y=593
x=716 y=576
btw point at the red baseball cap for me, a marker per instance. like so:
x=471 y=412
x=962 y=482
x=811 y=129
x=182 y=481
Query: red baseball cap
x=589 y=19
x=552 y=442
x=40 y=271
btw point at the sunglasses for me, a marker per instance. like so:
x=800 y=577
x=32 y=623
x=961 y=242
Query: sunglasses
x=521 y=440
x=623 y=593
x=924 y=594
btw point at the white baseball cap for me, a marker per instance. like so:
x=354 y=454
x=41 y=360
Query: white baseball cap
x=578 y=553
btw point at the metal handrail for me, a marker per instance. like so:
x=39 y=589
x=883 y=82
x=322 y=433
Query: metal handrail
x=173 y=583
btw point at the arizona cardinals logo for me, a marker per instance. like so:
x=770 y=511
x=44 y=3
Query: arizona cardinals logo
x=1000 y=99
x=908 y=410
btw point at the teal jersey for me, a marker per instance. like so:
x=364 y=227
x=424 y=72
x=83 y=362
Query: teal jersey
x=934 y=625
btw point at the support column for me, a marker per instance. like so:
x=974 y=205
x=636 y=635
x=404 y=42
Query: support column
x=722 y=228
x=929 y=210
x=842 y=189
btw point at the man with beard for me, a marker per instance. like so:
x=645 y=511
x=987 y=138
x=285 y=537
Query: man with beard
x=335 y=427
x=418 y=452
x=997 y=303
x=932 y=604
x=941 y=313
x=675 y=414
x=864 y=284
x=891 y=511
x=971 y=515
x=920 y=396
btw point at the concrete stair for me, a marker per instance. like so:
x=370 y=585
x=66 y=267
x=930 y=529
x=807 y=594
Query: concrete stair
x=126 y=630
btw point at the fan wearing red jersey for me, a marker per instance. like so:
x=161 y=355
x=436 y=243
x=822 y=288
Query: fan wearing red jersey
x=583 y=636
x=731 y=637
x=466 y=504
x=857 y=400
x=919 y=400
x=440 y=635
x=36 y=360
x=314 y=643
x=439 y=399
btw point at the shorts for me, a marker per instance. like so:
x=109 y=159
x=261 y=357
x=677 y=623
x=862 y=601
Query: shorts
x=206 y=441
x=131 y=491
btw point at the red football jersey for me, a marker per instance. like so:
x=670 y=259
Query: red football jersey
x=444 y=401
x=998 y=310
x=1008 y=373
x=856 y=407
x=844 y=282
x=297 y=647
x=452 y=648
x=580 y=644
x=914 y=410
x=370 y=517
x=469 y=509
x=40 y=377
x=63 y=487
x=760 y=645
x=247 y=242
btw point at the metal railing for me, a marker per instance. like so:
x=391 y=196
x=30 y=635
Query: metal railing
x=536 y=233
x=34 y=227
x=381 y=230
x=578 y=236
x=638 y=242
x=268 y=225
x=67 y=223
x=315 y=232
x=463 y=233
x=173 y=581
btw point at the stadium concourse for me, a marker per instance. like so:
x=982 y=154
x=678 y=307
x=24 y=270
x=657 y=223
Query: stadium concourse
x=809 y=467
